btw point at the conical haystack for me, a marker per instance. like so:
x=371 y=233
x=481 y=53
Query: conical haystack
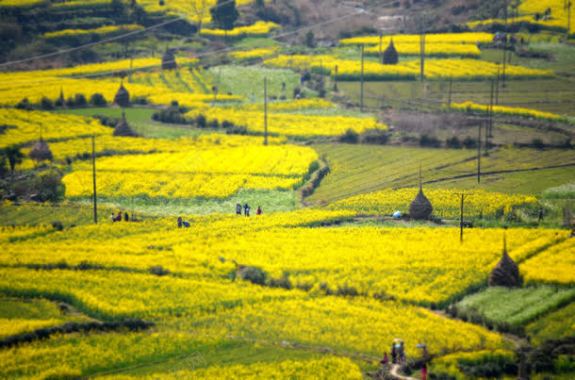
x=420 y=208
x=41 y=151
x=506 y=272
x=123 y=128
x=122 y=97
x=390 y=55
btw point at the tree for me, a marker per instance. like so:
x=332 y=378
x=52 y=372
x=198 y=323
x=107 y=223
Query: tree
x=14 y=156
x=200 y=11
x=224 y=14
x=117 y=7
x=310 y=39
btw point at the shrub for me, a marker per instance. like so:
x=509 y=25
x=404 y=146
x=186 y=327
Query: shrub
x=237 y=130
x=254 y=275
x=159 y=270
x=470 y=143
x=70 y=102
x=57 y=225
x=80 y=100
x=172 y=116
x=453 y=143
x=48 y=186
x=374 y=136
x=346 y=290
x=46 y=104
x=350 y=137
x=98 y=100
x=24 y=104
x=201 y=121
x=429 y=141
x=538 y=144
x=282 y=282
x=227 y=124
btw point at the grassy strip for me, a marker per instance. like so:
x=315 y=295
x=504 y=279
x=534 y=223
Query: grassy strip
x=74 y=327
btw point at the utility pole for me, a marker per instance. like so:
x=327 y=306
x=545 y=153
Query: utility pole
x=336 y=73
x=95 y=201
x=422 y=54
x=380 y=47
x=265 y=111
x=449 y=93
x=505 y=45
x=491 y=105
x=461 y=219
x=497 y=85
x=361 y=78
x=486 y=142
x=569 y=4
x=479 y=153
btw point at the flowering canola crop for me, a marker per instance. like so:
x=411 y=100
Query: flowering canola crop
x=204 y=173
x=446 y=203
x=460 y=69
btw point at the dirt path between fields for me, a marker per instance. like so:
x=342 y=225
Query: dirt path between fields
x=395 y=373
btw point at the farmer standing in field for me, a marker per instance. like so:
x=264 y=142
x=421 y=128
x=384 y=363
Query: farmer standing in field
x=247 y=209
x=259 y=210
x=238 y=209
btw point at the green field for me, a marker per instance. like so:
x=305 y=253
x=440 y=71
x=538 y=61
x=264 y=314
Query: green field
x=556 y=325
x=140 y=119
x=513 y=306
x=248 y=81
x=357 y=169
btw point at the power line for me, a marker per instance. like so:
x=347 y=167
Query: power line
x=111 y=39
x=201 y=55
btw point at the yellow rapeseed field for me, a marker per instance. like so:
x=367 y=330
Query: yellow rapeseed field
x=289 y=124
x=433 y=38
x=204 y=173
x=506 y=110
x=259 y=29
x=446 y=203
x=109 y=29
x=556 y=265
x=460 y=69
x=28 y=126
x=431 y=50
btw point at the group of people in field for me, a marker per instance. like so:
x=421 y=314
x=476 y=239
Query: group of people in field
x=119 y=217
x=398 y=358
x=246 y=208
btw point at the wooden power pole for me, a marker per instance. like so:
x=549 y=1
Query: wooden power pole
x=362 y=78
x=569 y=4
x=491 y=110
x=461 y=218
x=422 y=54
x=95 y=194
x=479 y=153
x=265 y=111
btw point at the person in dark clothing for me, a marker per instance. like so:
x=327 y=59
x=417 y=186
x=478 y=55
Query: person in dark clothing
x=385 y=360
x=119 y=217
x=126 y=217
x=259 y=210
x=238 y=209
x=247 y=209
x=393 y=354
x=180 y=222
